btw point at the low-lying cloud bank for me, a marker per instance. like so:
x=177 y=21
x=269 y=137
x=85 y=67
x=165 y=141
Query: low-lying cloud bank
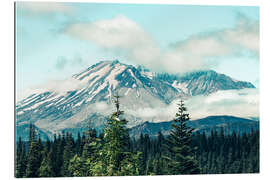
x=241 y=103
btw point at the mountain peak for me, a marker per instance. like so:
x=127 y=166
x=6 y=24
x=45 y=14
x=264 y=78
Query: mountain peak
x=111 y=62
x=206 y=82
x=195 y=74
x=116 y=61
x=139 y=87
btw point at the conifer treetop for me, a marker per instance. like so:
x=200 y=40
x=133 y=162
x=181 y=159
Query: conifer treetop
x=117 y=104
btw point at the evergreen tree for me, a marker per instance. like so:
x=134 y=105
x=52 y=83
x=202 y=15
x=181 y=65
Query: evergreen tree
x=67 y=155
x=57 y=155
x=116 y=142
x=181 y=160
x=54 y=157
x=158 y=166
x=89 y=148
x=160 y=142
x=79 y=144
x=32 y=132
x=78 y=167
x=20 y=159
x=143 y=148
x=46 y=167
x=85 y=165
x=34 y=155
x=113 y=153
x=150 y=167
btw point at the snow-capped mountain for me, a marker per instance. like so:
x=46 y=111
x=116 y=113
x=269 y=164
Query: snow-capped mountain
x=91 y=92
x=203 y=82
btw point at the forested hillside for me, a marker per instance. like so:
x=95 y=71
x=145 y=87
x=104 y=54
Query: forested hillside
x=114 y=153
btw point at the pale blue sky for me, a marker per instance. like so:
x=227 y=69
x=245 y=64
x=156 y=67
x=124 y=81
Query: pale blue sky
x=44 y=51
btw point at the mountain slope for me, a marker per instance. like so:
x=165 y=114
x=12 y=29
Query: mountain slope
x=203 y=82
x=91 y=91
x=228 y=123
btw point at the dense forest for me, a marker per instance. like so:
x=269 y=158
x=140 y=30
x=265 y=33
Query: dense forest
x=114 y=153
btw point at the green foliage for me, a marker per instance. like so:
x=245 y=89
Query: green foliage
x=130 y=164
x=67 y=155
x=78 y=167
x=231 y=153
x=113 y=153
x=34 y=155
x=20 y=159
x=115 y=136
x=33 y=160
x=46 y=167
x=181 y=159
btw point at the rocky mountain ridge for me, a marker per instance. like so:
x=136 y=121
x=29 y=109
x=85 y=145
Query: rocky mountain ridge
x=90 y=98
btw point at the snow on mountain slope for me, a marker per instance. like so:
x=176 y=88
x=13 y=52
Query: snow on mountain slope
x=89 y=94
x=203 y=82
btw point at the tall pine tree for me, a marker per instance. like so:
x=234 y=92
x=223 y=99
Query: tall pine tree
x=86 y=164
x=117 y=159
x=181 y=159
x=67 y=155
x=34 y=154
x=20 y=159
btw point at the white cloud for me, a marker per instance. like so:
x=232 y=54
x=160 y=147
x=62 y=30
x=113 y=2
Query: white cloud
x=120 y=35
x=45 y=7
x=242 y=103
x=57 y=86
x=101 y=107
x=146 y=112
x=245 y=35
x=124 y=36
x=197 y=51
x=63 y=62
x=62 y=86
